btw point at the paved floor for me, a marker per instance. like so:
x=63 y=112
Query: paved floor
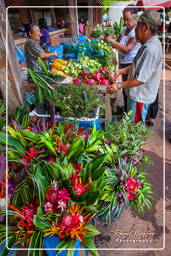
x=133 y=230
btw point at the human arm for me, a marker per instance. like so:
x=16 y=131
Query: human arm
x=126 y=84
x=45 y=55
x=123 y=48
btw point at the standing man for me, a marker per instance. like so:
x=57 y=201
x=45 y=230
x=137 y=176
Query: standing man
x=144 y=74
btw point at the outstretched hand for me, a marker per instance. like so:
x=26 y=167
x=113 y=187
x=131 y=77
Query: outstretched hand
x=112 y=89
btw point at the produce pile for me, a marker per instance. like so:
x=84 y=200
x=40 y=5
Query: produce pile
x=113 y=31
x=45 y=78
x=94 y=48
x=103 y=76
x=85 y=64
x=58 y=66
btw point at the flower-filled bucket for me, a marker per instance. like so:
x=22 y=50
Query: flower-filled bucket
x=52 y=242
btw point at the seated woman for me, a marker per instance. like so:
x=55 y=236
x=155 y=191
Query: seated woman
x=45 y=38
x=33 y=50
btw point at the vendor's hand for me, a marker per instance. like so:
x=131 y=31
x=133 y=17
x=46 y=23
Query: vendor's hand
x=116 y=74
x=54 y=53
x=112 y=89
x=108 y=39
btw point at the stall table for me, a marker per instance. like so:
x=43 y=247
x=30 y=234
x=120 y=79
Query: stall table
x=30 y=87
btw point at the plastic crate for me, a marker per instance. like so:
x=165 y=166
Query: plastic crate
x=82 y=122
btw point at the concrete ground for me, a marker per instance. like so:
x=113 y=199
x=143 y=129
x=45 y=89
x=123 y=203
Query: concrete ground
x=147 y=234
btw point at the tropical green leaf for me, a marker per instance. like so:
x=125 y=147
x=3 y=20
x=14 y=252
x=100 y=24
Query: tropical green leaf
x=91 y=246
x=71 y=245
x=41 y=222
x=12 y=142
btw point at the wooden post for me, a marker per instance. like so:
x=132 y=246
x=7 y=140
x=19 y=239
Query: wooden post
x=90 y=16
x=14 y=82
x=31 y=15
x=73 y=12
x=53 y=16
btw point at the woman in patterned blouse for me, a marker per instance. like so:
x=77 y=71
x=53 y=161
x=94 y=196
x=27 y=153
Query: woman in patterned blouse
x=33 y=50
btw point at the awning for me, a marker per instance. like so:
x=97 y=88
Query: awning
x=163 y=3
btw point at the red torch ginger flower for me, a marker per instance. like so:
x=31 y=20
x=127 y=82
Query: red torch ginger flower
x=79 y=189
x=2 y=190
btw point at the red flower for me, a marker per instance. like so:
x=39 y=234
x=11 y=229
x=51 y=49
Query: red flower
x=52 y=159
x=63 y=194
x=130 y=196
x=51 y=196
x=79 y=189
x=29 y=154
x=73 y=177
x=131 y=184
x=2 y=190
x=80 y=131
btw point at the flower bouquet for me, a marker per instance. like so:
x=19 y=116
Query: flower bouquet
x=64 y=176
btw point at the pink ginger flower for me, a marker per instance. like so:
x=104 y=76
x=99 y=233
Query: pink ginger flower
x=62 y=205
x=48 y=207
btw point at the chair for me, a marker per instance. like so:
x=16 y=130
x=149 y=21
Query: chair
x=168 y=41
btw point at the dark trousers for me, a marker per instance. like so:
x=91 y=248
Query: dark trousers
x=153 y=109
x=124 y=78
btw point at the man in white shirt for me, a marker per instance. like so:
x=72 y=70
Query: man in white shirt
x=144 y=73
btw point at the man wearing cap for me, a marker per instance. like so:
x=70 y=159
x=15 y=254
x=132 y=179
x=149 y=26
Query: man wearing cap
x=144 y=73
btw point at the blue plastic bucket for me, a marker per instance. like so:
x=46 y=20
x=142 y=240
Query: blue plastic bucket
x=53 y=241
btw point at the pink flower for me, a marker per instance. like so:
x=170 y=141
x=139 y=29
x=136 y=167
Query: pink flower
x=48 y=207
x=51 y=196
x=91 y=81
x=63 y=194
x=130 y=196
x=104 y=82
x=62 y=205
x=78 y=80
x=79 y=189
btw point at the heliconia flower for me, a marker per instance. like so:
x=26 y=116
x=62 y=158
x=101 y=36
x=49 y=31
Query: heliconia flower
x=105 y=82
x=91 y=81
x=98 y=76
x=77 y=80
x=48 y=207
